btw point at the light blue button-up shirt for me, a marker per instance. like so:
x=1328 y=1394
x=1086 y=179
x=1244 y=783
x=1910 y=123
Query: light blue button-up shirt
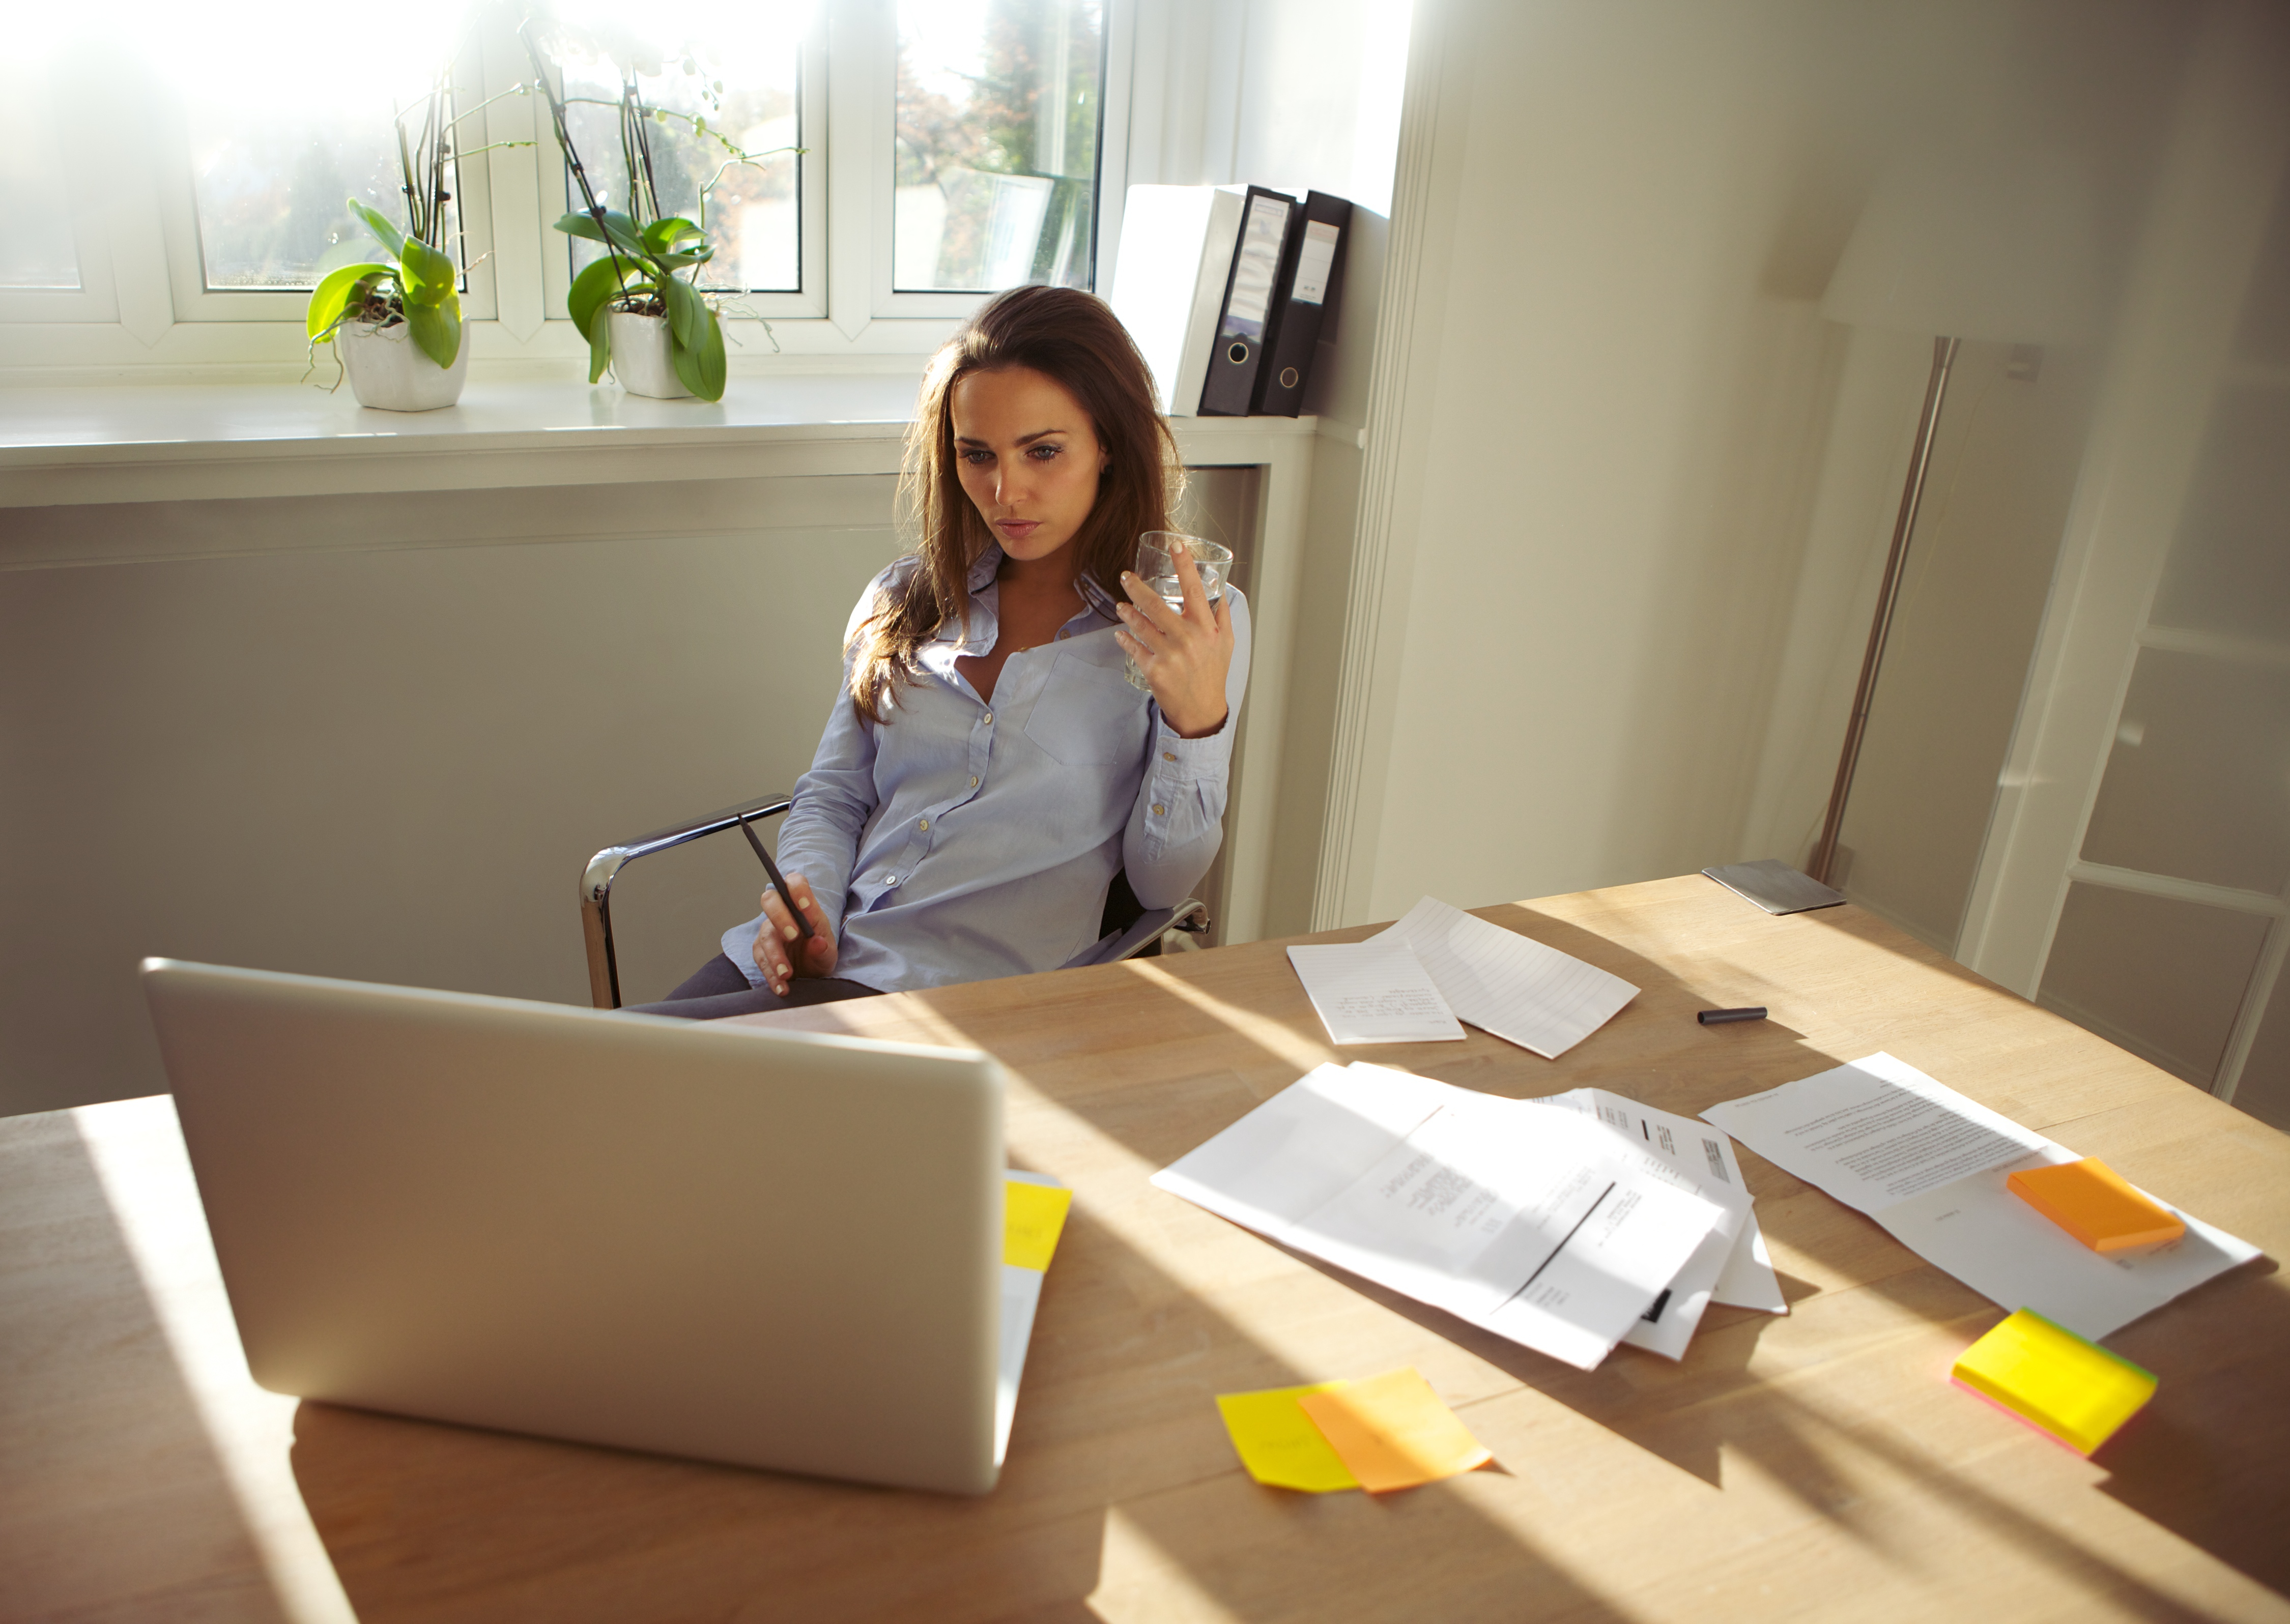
x=961 y=839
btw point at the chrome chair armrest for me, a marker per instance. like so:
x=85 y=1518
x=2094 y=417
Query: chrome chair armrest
x=1190 y=915
x=604 y=867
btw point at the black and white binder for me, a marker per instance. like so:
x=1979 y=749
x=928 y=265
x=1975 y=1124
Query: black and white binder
x=1306 y=269
x=1236 y=357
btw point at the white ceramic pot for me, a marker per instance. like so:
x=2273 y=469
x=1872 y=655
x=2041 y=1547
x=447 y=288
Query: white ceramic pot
x=389 y=372
x=641 y=358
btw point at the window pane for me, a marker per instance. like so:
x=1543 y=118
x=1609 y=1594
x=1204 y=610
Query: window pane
x=730 y=88
x=2162 y=978
x=37 y=250
x=280 y=139
x=996 y=155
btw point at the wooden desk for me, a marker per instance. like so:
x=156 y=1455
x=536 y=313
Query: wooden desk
x=1817 y=1464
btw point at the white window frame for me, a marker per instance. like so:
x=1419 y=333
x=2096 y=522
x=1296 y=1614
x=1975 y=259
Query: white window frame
x=866 y=148
x=143 y=306
x=195 y=301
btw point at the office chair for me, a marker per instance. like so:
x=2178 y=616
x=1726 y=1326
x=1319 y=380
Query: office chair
x=1127 y=929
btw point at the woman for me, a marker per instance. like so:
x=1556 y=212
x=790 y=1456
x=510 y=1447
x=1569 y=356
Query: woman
x=987 y=769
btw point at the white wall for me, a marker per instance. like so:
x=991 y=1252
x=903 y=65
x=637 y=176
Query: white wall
x=1624 y=482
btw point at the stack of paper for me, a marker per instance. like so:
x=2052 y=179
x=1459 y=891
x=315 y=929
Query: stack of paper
x=1541 y=1223
x=1934 y=1168
x=1409 y=983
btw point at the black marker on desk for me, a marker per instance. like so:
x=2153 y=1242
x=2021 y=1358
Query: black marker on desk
x=778 y=883
x=1716 y=1018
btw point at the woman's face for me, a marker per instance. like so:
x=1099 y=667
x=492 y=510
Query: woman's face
x=1028 y=458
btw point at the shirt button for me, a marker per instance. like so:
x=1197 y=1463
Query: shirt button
x=1160 y=810
x=973 y=783
x=990 y=718
x=926 y=823
x=1168 y=755
x=892 y=881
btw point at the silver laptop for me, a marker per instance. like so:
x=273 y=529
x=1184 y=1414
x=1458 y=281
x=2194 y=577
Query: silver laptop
x=771 y=1249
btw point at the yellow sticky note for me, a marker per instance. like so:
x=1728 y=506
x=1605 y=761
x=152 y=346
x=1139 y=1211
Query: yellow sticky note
x=2051 y=1377
x=1278 y=1442
x=1392 y=1432
x=1033 y=1216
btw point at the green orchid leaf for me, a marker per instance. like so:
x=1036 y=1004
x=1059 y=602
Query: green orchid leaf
x=618 y=228
x=686 y=310
x=681 y=262
x=337 y=291
x=437 y=330
x=389 y=235
x=662 y=235
x=428 y=274
x=590 y=290
x=600 y=345
x=701 y=366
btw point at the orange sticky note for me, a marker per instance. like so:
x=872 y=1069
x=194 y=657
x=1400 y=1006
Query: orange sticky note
x=1392 y=1432
x=2090 y=1201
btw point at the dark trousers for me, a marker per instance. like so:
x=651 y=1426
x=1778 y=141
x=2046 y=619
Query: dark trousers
x=718 y=989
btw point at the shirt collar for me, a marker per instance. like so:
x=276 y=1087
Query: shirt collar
x=988 y=561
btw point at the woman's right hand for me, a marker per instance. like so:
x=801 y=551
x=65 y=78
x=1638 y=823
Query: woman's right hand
x=782 y=953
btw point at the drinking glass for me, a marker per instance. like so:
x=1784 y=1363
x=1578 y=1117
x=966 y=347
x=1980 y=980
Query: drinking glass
x=1156 y=567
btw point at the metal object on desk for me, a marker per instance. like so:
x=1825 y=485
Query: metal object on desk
x=1774 y=886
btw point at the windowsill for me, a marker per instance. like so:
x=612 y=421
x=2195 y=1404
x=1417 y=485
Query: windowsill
x=173 y=441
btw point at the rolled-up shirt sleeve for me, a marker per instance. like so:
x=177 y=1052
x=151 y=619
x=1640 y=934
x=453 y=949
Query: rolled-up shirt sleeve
x=1178 y=822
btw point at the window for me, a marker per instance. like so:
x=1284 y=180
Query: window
x=997 y=137
x=866 y=171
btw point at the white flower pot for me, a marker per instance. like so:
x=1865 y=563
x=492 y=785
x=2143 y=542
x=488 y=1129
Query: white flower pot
x=641 y=357
x=389 y=372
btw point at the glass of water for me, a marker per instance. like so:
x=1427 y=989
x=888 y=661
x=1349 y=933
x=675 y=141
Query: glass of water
x=1156 y=567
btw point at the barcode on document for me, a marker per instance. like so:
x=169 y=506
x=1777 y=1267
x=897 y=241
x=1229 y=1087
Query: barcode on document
x=1716 y=1159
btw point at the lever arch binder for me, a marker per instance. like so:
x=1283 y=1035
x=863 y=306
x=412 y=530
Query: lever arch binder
x=1237 y=356
x=1170 y=280
x=1308 y=266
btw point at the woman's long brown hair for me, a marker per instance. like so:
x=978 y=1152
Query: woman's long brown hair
x=1064 y=334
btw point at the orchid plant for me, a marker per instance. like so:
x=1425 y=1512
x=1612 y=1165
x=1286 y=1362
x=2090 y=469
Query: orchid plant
x=418 y=284
x=651 y=258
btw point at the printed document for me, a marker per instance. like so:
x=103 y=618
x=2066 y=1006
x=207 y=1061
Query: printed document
x=1374 y=992
x=1537 y=1225
x=1510 y=985
x=1695 y=1157
x=1930 y=1165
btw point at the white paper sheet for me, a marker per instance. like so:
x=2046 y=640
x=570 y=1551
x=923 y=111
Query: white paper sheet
x=1701 y=1159
x=1510 y=985
x=1022 y=1295
x=1374 y=992
x=1537 y=1226
x=1930 y=1165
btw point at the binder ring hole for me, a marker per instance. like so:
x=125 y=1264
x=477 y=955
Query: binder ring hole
x=1288 y=378
x=1237 y=354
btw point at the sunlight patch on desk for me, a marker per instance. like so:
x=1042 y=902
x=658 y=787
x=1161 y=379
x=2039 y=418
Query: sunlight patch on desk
x=1137 y=1580
x=147 y=1180
x=1272 y=1035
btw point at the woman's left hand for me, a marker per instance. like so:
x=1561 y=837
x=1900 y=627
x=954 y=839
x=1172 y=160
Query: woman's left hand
x=1184 y=656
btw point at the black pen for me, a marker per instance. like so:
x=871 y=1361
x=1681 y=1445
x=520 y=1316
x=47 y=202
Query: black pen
x=1716 y=1018
x=777 y=883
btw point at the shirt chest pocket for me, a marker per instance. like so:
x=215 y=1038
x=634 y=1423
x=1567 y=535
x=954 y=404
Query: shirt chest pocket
x=1087 y=716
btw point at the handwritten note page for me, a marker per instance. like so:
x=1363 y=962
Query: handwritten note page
x=1518 y=988
x=1932 y=1166
x=1374 y=992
